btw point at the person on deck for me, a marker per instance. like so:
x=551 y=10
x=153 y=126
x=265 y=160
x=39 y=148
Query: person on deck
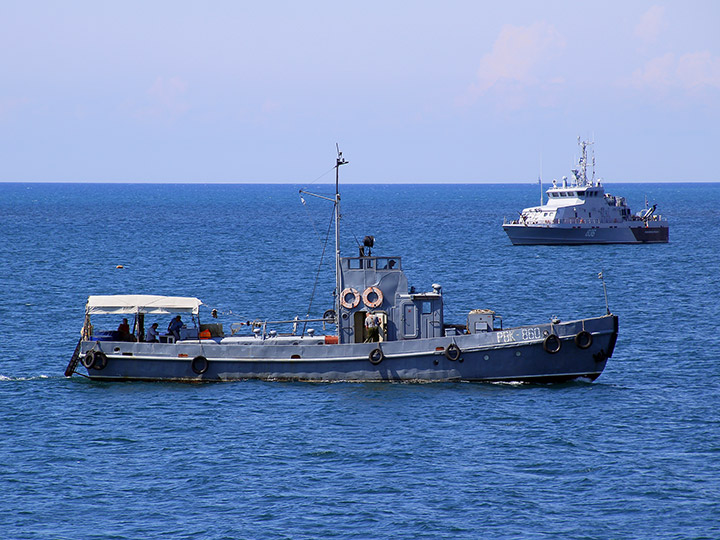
x=372 y=324
x=174 y=327
x=152 y=334
x=124 y=331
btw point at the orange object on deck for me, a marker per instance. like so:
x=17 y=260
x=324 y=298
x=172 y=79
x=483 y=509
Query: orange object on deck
x=331 y=340
x=205 y=334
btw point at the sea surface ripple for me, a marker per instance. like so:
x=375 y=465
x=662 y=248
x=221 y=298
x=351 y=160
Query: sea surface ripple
x=635 y=454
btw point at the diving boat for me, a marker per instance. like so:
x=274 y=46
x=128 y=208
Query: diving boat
x=581 y=212
x=412 y=341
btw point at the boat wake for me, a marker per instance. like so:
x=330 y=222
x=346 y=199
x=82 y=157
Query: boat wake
x=6 y=378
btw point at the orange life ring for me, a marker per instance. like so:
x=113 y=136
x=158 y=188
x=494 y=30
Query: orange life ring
x=355 y=299
x=375 y=303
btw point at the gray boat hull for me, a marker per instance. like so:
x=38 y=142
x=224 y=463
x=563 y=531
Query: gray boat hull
x=515 y=354
x=561 y=234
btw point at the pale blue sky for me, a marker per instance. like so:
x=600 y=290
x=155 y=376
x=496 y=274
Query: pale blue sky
x=452 y=91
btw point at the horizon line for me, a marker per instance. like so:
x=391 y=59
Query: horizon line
x=260 y=183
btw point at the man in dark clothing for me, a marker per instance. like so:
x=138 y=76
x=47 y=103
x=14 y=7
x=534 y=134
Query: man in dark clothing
x=174 y=327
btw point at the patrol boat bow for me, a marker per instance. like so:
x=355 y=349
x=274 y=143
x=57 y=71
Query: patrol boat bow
x=580 y=212
x=415 y=343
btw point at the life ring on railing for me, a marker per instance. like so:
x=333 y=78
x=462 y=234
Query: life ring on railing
x=355 y=299
x=552 y=344
x=583 y=339
x=376 y=356
x=199 y=364
x=452 y=352
x=366 y=297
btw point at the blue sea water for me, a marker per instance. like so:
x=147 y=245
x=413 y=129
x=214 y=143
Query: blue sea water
x=636 y=454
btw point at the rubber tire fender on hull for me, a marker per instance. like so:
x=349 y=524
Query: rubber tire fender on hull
x=452 y=352
x=552 y=344
x=199 y=365
x=95 y=360
x=583 y=339
x=376 y=356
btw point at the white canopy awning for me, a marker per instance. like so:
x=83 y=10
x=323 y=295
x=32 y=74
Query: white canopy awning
x=142 y=303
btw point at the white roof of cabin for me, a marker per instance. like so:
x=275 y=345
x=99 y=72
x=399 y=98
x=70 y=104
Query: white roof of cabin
x=142 y=303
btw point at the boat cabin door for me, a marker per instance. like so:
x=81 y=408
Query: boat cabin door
x=359 y=325
x=430 y=320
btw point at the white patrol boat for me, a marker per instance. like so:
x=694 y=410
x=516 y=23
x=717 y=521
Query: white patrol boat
x=413 y=341
x=580 y=212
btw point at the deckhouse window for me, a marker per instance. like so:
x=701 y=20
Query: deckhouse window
x=355 y=264
x=386 y=264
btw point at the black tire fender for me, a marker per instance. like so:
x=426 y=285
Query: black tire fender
x=376 y=356
x=101 y=360
x=89 y=359
x=583 y=339
x=552 y=344
x=452 y=352
x=199 y=364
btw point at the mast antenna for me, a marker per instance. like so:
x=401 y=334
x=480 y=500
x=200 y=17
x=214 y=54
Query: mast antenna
x=540 y=179
x=340 y=160
x=541 y=193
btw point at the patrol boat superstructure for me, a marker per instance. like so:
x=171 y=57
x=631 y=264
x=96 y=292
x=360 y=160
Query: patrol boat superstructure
x=581 y=212
x=416 y=344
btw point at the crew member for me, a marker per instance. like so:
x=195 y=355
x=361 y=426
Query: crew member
x=124 y=331
x=152 y=334
x=174 y=327
x=372 y=324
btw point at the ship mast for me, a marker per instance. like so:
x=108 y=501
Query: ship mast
x=340 y=160
x=580 y=173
